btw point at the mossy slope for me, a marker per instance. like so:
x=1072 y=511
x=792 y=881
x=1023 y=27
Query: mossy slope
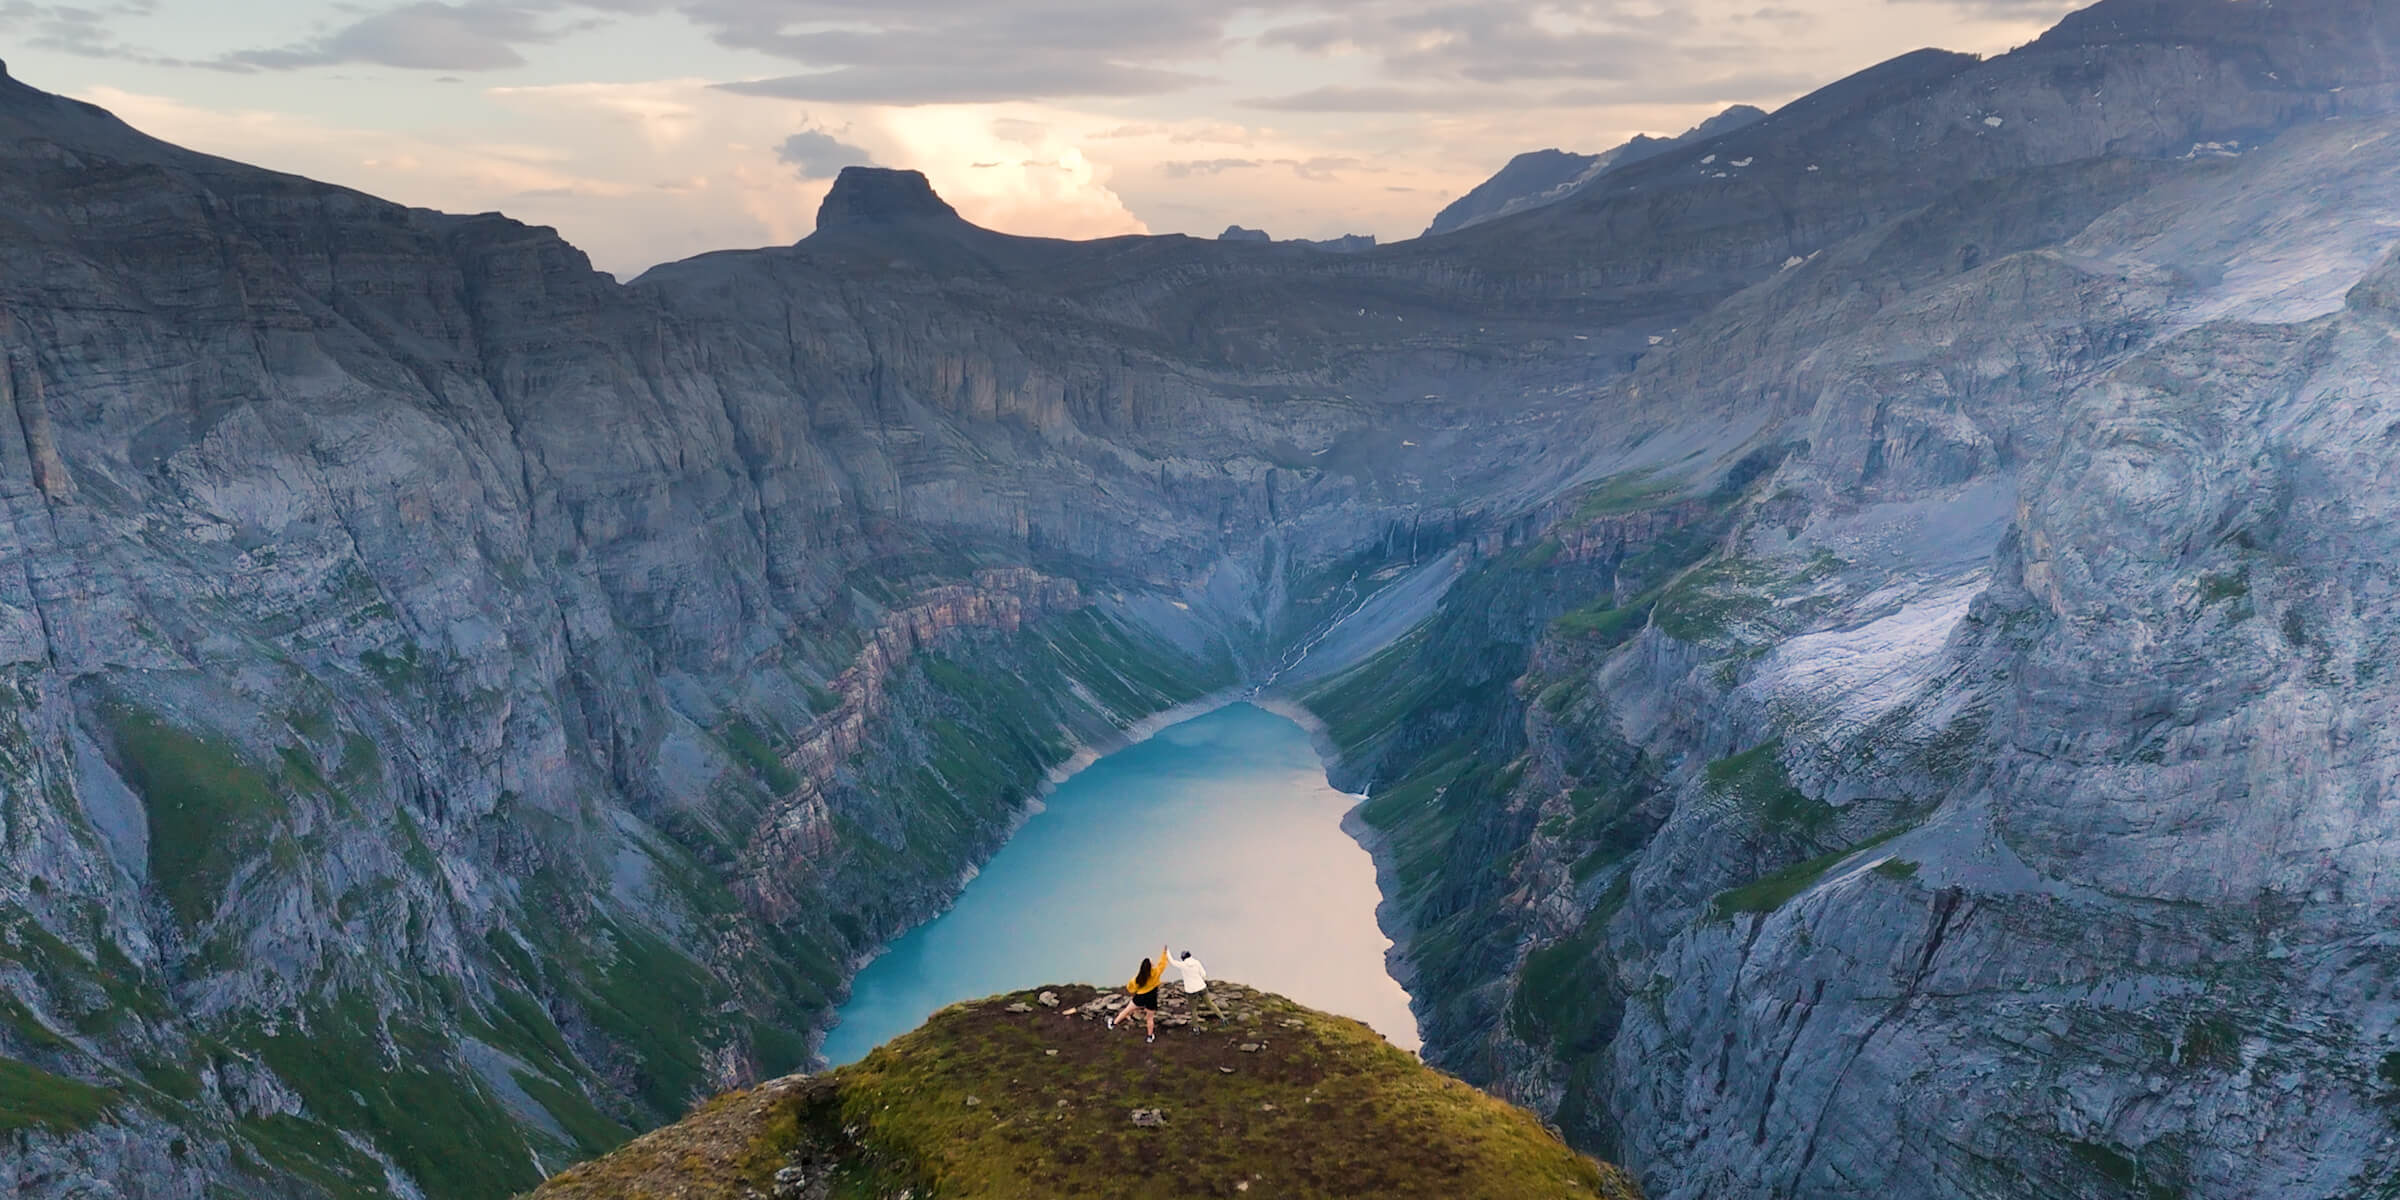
x=983 y=1101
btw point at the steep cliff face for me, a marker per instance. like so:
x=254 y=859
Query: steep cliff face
x=424 y=652
x=1895 y=726
x=1975 y=795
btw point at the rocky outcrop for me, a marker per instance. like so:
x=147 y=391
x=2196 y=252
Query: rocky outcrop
x=797 y=834
x=883 y=198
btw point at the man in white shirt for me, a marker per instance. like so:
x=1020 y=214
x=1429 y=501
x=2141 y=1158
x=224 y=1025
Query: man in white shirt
x=1195 y=986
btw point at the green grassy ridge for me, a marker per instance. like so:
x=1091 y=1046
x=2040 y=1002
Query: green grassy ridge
x=985 y=1102
x=764 y=758
x=32 y=1098
x=1756 y=779
x=1630 y=492
x=1776 y=889
x=399 y=1085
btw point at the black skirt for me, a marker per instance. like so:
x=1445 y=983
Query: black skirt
x=1148 y=999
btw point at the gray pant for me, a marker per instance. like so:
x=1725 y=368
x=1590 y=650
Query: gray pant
x=1192 y=999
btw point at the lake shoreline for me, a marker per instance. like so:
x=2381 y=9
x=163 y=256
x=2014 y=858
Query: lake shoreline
x=1233 y=838
x=1369 y=839
x=1076 y=762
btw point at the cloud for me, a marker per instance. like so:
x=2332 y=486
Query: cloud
x=1318 y=168
x=81 y=31
x=820 y=155
x=2006 y=10
x=1442 y=41
x=1186 y=168
x=1054 y=117
x=1345 y=98
x=902 y=83
x=1739 y=87
x=428 y=36
x=847 y=51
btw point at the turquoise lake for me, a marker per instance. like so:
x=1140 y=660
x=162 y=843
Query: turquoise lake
x=1219 y=836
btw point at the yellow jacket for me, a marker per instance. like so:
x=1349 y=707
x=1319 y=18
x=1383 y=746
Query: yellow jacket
x=1158 y=974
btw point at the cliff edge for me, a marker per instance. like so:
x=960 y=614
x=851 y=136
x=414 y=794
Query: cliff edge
x=1032 y=1094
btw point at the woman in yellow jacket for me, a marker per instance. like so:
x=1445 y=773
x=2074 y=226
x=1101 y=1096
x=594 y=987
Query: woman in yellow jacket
x=1144 y=988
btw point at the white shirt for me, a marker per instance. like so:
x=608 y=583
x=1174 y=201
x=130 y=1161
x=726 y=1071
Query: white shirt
x=1195 y=976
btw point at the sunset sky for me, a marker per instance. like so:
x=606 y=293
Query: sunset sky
x=649 y=130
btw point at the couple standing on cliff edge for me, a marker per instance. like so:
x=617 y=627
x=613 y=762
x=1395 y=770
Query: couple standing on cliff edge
x=1144 y=987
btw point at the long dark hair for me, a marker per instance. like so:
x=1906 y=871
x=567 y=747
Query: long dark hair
x=1144 y=976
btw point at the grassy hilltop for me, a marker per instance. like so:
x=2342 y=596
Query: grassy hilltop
x=1031 y=1095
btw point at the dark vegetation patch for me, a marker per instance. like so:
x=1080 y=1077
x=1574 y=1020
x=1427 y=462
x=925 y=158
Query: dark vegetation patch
x=1566 y=995
x=2125 y=1172
x=762 y=755
x=1756 y=779
x=1604 y=623
x=1773 y=891
x=652 y=1001
x=398 y=671
x=208 y=807
x=311 y=1151
x=92 y=996
x=2209 y=1040
x=33 y=1098
x=1712 y=602
x=399 y=1086
x=592 y=1131
x=1629 y=492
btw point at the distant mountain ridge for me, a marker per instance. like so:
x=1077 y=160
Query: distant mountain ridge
x=1539 y=177
x=1898 y=724
x=1348 y=243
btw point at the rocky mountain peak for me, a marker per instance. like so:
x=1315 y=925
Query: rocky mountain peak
x=1541 y=177
x=882 y=198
